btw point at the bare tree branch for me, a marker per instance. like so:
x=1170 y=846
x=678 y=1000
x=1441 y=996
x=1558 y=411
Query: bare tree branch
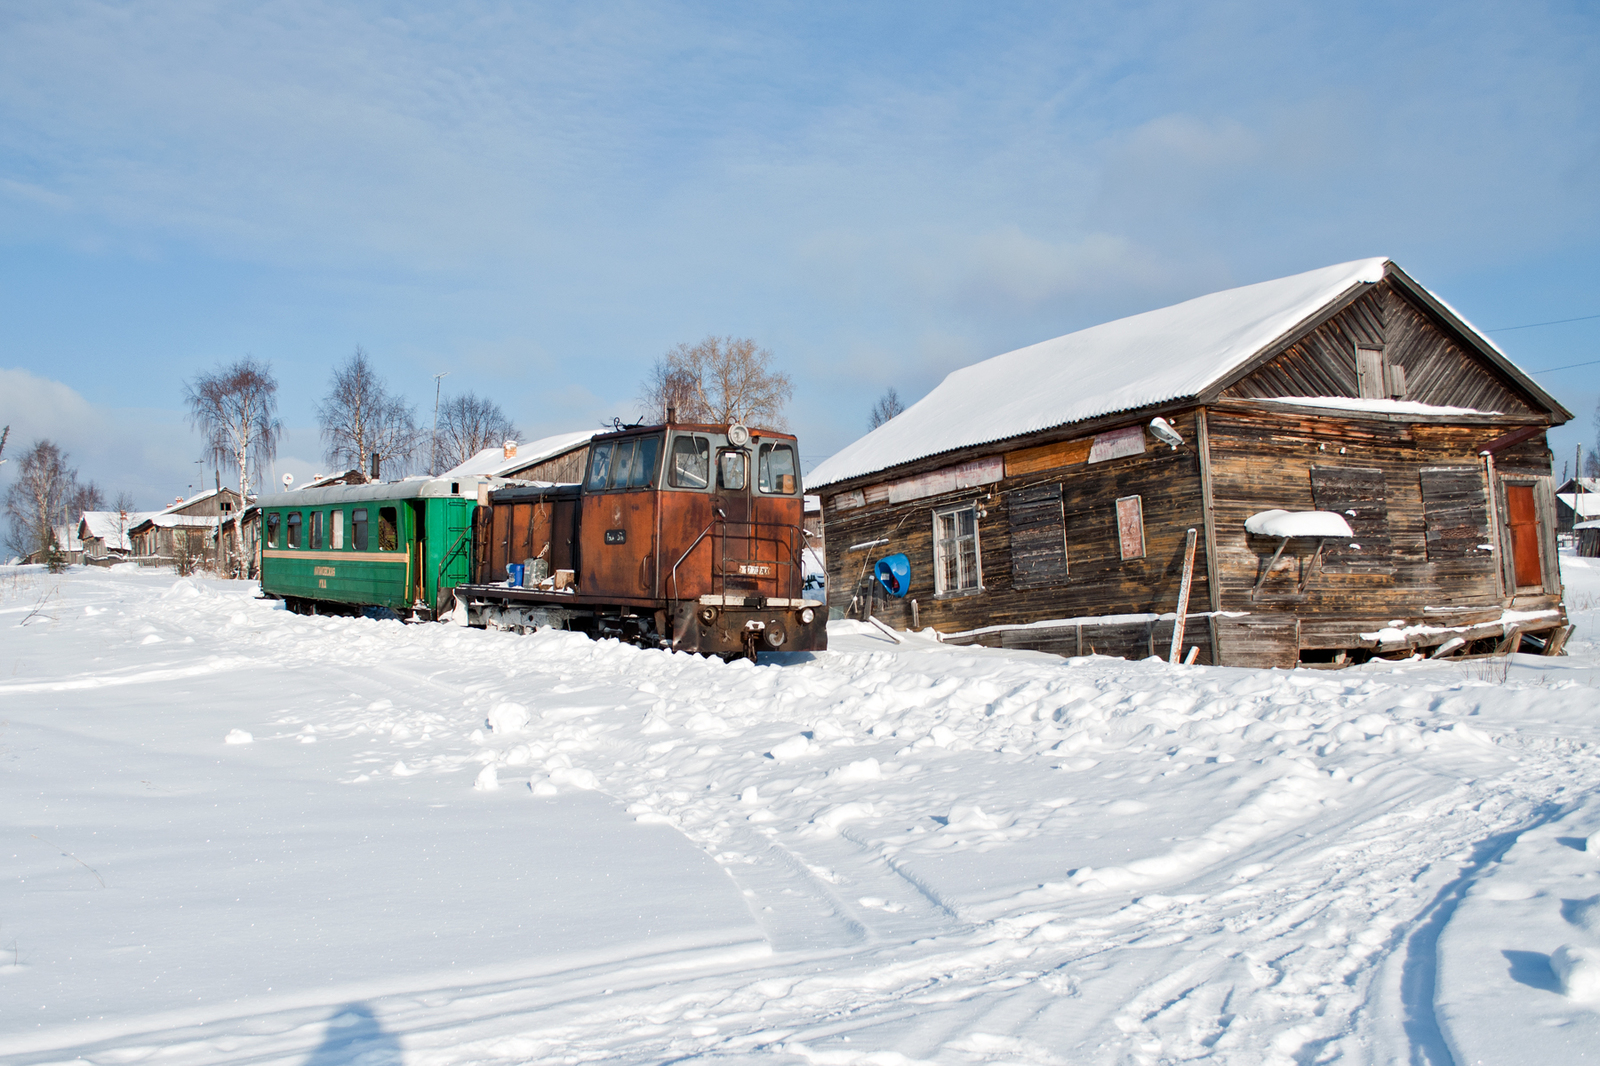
x=887 y=407
x=359 y=417
x=719 y=380
x=36 y=499
x=236 y=408
x=467 y=425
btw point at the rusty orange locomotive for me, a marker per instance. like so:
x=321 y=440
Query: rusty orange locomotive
x=679 y=536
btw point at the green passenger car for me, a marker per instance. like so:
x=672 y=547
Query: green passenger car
x=403 y=545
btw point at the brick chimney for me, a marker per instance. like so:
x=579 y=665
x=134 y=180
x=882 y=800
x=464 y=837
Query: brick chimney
x=509 y=449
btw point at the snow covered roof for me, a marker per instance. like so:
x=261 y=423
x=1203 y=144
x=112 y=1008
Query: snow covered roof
x=1586 y=504
x=1171 y=353
x=410 y=488
x=1392 y=407
x=491 y=462
x=111 y=527
x=166 y=520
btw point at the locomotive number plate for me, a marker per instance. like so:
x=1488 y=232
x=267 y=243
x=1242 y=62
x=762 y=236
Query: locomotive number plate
x=322 y=571
x=755 y=569
x=616 y=536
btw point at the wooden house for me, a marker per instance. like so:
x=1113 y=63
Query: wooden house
x=105 y=535
x=560 y=460
x=1363 y=473
x=187 y=529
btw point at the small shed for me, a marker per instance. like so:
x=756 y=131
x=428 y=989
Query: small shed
x=1112 y=490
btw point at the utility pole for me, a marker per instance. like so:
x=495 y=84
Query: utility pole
x=433 y=457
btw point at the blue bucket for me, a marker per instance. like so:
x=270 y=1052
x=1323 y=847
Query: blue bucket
x=514 y=575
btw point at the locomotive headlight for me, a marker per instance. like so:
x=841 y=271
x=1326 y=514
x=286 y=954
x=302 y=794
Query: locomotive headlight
x=806 y=616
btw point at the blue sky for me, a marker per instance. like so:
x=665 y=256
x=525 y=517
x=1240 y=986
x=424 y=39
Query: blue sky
x=542 y=199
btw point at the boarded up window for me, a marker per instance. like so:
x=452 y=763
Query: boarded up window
x=1369 y=372
x=1359 y=494
x=1455 y=512
x=1130 y=527
x=1038 y=537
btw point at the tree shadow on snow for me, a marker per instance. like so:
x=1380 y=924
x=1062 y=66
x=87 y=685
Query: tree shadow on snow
x=1532 y=969
x=354 y=1038
x=1575 y=843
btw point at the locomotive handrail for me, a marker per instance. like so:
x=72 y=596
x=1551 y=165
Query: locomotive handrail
x=719 y=575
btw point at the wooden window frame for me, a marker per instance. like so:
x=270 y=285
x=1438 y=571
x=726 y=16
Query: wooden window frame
x=939 y=550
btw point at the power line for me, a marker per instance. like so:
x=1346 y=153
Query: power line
x=1569 y=366
x=1530 y=325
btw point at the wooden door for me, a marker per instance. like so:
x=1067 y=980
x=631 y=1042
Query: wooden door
x=1522 y=521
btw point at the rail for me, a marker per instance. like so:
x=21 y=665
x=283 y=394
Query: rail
x=719 y=573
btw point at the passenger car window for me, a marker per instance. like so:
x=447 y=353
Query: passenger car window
x=358 y=529
x=337 y=535
x=600 y=466
x=775 y=469
x=294 y=529
x=732 y=472
x=274 y=521
x=691 y=462
x=388 y=530
x=316 y=529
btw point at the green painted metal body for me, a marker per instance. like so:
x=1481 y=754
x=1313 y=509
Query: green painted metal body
x=415 y=548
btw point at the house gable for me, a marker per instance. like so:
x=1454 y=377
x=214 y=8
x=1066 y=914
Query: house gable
x=1440 y=365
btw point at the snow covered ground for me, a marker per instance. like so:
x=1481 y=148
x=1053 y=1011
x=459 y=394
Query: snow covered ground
x=232 y=834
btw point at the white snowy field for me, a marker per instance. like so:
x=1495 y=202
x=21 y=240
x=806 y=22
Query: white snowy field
x=235 y=835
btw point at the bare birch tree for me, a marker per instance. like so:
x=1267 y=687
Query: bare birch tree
x=359 y=417
x=236 y=409
x=35 y=500
x=719 y=380
x=887 y=407
x=467 y=425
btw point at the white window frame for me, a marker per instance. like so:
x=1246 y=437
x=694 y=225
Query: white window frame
x=941 y=548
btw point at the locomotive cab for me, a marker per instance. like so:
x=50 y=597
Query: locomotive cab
x=683 y=536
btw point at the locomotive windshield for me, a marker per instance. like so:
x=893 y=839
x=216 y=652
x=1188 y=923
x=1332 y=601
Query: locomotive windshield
x=775 y=469
x=691 y=462
x=624 y=464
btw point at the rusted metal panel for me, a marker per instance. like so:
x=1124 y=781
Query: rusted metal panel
x=617 y=548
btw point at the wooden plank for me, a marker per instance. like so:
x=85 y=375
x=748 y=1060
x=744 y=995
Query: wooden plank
x=1183 y=597
x=1048 y=457
x=1208 y=523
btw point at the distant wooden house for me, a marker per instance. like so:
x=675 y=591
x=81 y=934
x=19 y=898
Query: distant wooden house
x=104 y=535
x=189 y=530
x=560 y=459
x=1578 y=513
x=1364 y=474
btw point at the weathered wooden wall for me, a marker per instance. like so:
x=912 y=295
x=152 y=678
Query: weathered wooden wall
x=1438 y=370
x=1266 y=456
x=1097 y=580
